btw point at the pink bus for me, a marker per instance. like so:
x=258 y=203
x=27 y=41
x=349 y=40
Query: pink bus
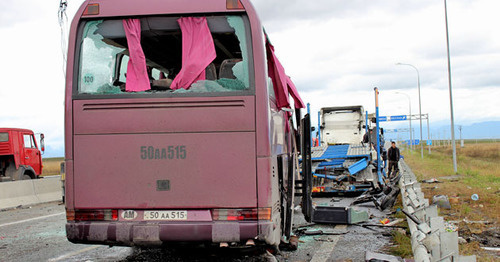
x=178 y=125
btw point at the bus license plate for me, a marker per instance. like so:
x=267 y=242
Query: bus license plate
x=165 y=215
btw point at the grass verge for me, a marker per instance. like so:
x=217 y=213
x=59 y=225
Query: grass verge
x=478 y=173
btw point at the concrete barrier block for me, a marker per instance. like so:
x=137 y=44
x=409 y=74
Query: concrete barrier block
x=17 y=193
x=425 y=228
x=48 y=190
x=430 y=212
x=420 y=254
x=29 y=192
x=420 y=214
x=449 y=245
x=467 y=258
x=437 y=224
x=431 y=242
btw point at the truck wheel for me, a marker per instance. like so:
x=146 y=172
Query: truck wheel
x=26 y=176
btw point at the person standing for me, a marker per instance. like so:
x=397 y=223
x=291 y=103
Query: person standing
x=393 y=155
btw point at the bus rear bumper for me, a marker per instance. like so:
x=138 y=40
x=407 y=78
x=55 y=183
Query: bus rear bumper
x=152 y=234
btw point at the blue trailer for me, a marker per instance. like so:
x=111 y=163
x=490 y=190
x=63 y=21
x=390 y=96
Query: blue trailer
x=345 y=160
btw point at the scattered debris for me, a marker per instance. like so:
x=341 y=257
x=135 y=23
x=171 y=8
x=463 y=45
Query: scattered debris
x=269 y=257
x=441 y=201
x=338 y=215
x=412 y=217
x=394 y=222
x=474 y=197
x=377 y=225
x=452 y=178
x=430 y=181
x=496 y=249
x=384 y=221
x=465 y=220
x=379 y=257
x=462 y=240
x=323 y=239
x=291 y=245
x=449 y=227
x=454 y=199
x=316 y=232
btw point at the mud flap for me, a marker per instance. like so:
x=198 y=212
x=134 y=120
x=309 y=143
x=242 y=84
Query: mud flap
x=13 y=173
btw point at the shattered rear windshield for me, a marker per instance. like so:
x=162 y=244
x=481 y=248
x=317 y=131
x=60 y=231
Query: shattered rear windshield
x=4 y=137
x=166 y=58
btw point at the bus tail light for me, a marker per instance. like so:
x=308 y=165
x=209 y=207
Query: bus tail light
x=92 y=215
x=241 y=214
x=234 y=4
x=91 y=9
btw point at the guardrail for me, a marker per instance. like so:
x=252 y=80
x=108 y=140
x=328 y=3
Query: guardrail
x=429 y=239
x=30 y=192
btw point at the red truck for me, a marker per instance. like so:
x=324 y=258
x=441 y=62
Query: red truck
x=20 y=157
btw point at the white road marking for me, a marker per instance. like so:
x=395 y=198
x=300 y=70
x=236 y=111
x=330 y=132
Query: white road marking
x=65 y=256
x=326 y=249
x=31 y=219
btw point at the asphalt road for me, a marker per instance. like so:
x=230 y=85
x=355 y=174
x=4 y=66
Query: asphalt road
x=37 y=234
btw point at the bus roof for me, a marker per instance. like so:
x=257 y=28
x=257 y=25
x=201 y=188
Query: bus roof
x=109 y=8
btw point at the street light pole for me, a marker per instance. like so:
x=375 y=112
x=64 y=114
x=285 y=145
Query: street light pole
x=409 y=108
x=454 y=147
x=428 y=135
x=419 y=107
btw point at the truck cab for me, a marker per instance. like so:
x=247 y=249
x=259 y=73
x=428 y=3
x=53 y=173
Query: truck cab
x=20 y=157
x=342 y=125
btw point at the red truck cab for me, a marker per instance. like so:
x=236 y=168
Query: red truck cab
x=20 y=157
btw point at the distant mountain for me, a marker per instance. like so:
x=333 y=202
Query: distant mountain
x=441 y=130
x=481 y=130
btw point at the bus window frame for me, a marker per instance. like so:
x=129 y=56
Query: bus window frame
x=165 y=94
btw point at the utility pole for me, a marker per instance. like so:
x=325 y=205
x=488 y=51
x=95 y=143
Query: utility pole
x=429 y=140
x=461 y=140
x=451 y=96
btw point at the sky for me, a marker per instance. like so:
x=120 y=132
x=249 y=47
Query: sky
x=335 y=51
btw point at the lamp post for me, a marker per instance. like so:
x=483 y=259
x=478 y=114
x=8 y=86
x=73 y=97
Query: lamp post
x=419 y=108
x=409 y=108
x=449 y=87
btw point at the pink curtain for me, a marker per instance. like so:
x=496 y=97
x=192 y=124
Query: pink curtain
x=198 y=51
x=282 y=84
x=137 y=75
x=278 y=76
x=295 y=94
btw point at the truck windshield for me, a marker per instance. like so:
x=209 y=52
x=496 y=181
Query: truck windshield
x=4 y=137
x=170 y=55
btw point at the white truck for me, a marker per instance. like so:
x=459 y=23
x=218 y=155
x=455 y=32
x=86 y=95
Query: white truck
x=342 y=164
x=342 y=125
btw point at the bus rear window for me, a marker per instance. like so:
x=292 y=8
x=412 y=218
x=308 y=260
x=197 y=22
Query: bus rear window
x=4 y=137
x=104 y=58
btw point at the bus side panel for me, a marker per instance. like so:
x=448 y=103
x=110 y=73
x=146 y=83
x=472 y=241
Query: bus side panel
x=260 y=73
x=264 y=174
x=68 y=185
